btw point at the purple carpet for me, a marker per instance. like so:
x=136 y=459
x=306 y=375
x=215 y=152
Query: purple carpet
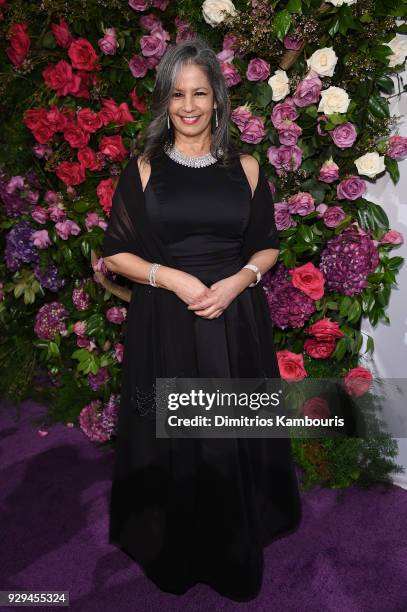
x=349 y=554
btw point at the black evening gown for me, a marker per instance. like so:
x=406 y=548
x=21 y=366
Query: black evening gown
x=198 y=509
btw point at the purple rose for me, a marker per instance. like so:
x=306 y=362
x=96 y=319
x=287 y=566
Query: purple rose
x=344 y=135
x=284 y=110
x=161 y=4
x=329 y=172
x=257 y=70
x=282 y=216
x=333 y=215
x=301 y=203
x=289 y=132
x=150 y=21
x=323 y=118
x=138 y=66
x=397 y=148
x=154 y=44
x=284 y=158
x=308 y=92
x=351 y=188
x=108 y=44
x=240 y=116
x=253 y=131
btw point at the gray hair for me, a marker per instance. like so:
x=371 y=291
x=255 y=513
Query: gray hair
x=193 y=51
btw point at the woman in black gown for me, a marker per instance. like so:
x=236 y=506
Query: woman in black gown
x=195 y=510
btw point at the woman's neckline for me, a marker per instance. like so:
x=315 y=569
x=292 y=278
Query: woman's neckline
x=189 y=158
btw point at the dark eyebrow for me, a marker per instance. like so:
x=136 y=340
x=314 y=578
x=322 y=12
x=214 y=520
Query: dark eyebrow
x=196 y=88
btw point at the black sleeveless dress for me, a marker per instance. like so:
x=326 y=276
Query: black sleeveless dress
x=201 y=510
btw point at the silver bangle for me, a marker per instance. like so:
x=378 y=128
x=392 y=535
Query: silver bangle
x=256 y=271
x=151 y=276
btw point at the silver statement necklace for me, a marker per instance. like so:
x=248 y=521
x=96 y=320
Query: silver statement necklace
x=199 y=161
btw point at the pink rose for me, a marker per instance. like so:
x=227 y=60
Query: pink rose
x=253 y=131
x=257 y=70
x=289 y=132
x=309 y=279
x=41 y=239
x=392 y=237
x=333 y=215
x=351 y=188
x=140 y=5
x=40 y=214
x=293 y=41
x=284 y=110
x=138 y=66
x=301 y=203
x=155 y=43
x=324 y=329
x=319 y=349
x=67 y=228
x=308 y=92
x=329 y=172
x=284 y=158
x=291 y=365
x=397 y=147
x=240 y=116
x=230 y=73
x=150 y=21
x=357 y=381
x=344 y=135
x=316 y=408
x=79 y=328
x=108 y=44
x=282 y=216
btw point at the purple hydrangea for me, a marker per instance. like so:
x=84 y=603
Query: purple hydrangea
x=50 y=320
x=289 y=306
x=347 y=260
x=100 y=422
x=49 y=278
x=19 y=246
x=95 y=381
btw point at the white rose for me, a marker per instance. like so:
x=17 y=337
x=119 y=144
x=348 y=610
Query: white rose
x=279 y=84
x=333 y=100
x=323 y=61
x=212 y=11
x=399 y=47
x=340 y=2
x=370 y=164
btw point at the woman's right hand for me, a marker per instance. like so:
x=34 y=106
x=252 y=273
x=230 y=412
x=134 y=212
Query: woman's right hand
x=188 y=287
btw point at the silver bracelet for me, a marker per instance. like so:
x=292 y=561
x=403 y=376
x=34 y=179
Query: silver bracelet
x=151 y=276
x=256 y=271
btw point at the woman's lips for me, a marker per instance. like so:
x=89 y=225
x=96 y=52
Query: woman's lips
x=190 y=121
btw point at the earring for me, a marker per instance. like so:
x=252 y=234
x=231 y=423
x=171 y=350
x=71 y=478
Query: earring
x=216 y=118
x=168 y=121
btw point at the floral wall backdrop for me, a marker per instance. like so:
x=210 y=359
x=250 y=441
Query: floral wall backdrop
x=310 y=84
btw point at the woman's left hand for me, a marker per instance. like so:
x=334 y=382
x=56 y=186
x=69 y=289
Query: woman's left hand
x=224 y=292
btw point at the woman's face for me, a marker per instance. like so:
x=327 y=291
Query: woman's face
x=192 y=96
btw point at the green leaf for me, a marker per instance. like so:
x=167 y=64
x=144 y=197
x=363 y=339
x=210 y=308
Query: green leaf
x=294 y=6
x=334 y=26
x=263 y=94
x=305 y=233
x=369 y=345
x=281 y=24
x=378 y=106
x=340 y=349
x=381 y=52
x=393 y=168
x=354 y=312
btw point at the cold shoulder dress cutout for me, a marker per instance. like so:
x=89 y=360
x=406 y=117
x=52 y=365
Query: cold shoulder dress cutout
x=200 y=509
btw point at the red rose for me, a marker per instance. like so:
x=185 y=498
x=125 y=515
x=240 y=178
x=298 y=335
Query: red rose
x=357 y=381
x=55 y=119
x=319 y=349
x=325 y=329
x=76 y=137
x=19 y=44
x=104 y=192
x=112 y=113
x=88 y=159
x=88 y=120
x=316 y=408
x=113 y=147
x=42 y=133
x=61 y=33
x=291 y=365
x=61 y=78
x=309 y=279
x=82 y=54
x=33 y=117
x=70 y=173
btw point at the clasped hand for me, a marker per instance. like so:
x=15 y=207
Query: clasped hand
x=216 y=298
